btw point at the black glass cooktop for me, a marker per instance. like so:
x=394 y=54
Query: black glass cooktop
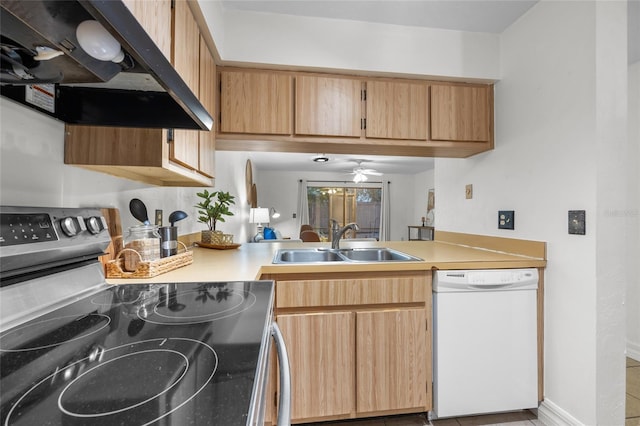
x=161 y=354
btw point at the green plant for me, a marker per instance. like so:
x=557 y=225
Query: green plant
x=213 y=207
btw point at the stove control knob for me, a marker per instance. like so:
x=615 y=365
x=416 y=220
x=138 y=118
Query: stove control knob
x=68 y=226
x=93 y=225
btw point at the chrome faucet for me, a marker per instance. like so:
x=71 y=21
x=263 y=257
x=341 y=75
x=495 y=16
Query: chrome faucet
x=337 y=232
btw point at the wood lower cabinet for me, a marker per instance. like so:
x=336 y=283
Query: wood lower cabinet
x=391 y=373
x=359 y=343
x=322 y=363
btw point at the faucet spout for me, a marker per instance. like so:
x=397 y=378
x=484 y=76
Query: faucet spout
x=339 y=232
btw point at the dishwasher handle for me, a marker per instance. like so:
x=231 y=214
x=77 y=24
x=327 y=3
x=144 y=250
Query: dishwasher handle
x=284 y=403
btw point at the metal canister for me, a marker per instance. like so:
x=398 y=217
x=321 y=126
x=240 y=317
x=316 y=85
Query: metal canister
x=168 y=241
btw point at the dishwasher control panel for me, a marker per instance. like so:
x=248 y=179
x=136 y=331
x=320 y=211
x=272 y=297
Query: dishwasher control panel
x=485 y=279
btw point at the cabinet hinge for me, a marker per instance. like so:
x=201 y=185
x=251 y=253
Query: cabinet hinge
x=275 y=399
x=169 y=135
x=426 y=324
x=363 y=123
x=363 y=95
x=173 y=4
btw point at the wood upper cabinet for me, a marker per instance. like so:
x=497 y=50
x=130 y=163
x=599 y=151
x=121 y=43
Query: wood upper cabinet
x=396 y=110
x=359 y=344
x=320 y=348
x=155 y=17
x=193 y=61
x=207 y=140
x=461 y=113
x=132 y=153
x=326 y=106
x=391 y=370
x=185 y=47
x=255 y=102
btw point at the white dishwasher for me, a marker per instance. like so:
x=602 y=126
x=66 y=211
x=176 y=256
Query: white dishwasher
x=485 y=341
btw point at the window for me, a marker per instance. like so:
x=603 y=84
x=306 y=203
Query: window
x=345 y=204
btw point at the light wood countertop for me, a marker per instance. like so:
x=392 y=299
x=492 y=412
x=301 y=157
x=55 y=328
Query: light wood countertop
x=250 y=261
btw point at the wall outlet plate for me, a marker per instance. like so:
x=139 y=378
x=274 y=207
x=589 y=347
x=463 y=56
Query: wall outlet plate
x=506 y=219
x=577 y=222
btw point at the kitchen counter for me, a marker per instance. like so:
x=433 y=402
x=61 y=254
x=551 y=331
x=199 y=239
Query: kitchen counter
x=250 y=261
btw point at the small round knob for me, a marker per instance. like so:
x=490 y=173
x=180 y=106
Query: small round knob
x=68 y=226
x=93 y=225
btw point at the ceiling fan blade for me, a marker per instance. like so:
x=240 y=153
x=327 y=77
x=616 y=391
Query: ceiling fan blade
x=371 y=172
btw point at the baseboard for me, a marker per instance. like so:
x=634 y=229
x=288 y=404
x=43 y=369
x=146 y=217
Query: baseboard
x=552 y=415
x=633 y=350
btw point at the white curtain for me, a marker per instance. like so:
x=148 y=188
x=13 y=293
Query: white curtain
x=385 y=212
x=303 y=205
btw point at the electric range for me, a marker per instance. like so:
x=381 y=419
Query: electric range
x=77 y=351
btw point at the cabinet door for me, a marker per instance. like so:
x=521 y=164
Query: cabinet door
x=186 y=61
x=155 y=18
x=186 y=45
x=461 y=113
x=328 y=106
x=392 y=360
x=183 y=148
x=396 y=110
x=321 y=355
x=255 y=102
x=207 y=140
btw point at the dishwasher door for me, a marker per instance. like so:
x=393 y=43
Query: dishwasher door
x=485 y=341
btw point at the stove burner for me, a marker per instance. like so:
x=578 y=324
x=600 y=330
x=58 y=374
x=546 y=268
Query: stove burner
x=224 y=303
x=145 y=381
x=63 y=329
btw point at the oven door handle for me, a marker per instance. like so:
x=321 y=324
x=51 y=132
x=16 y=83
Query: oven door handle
x=284 y=404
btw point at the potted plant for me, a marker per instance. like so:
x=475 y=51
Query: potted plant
x=212 y=209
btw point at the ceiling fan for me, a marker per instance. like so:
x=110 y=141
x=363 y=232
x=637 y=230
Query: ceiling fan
x=360 y=173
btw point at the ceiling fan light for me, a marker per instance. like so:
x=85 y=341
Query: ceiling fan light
x=359 y=177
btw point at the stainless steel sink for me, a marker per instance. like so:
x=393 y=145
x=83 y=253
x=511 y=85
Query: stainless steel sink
x=317 y=255
x=377 y=255
x=307 y=256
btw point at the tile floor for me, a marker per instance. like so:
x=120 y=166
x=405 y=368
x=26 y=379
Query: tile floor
x=519 y=418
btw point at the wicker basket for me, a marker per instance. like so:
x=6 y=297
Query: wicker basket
x=115 y=268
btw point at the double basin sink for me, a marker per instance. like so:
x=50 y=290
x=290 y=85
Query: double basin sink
x=321 y=255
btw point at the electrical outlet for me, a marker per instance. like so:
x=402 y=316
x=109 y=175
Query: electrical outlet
x=577 y=222
x=506 y=219
x=158 y=217
x=468 y=191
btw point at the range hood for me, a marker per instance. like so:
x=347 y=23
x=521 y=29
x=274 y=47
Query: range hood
x=144 y=90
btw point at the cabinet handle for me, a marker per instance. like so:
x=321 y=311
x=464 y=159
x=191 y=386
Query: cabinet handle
x=170 y=136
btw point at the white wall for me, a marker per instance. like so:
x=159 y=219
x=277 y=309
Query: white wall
x=33 y=173
x=632 y=215
x=280 y=191
x=552 y=156
x=282 y=40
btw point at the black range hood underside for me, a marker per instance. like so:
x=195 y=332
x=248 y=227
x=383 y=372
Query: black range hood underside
x=169 y=103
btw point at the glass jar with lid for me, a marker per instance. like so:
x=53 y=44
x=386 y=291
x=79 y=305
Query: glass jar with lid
x=143 y=244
